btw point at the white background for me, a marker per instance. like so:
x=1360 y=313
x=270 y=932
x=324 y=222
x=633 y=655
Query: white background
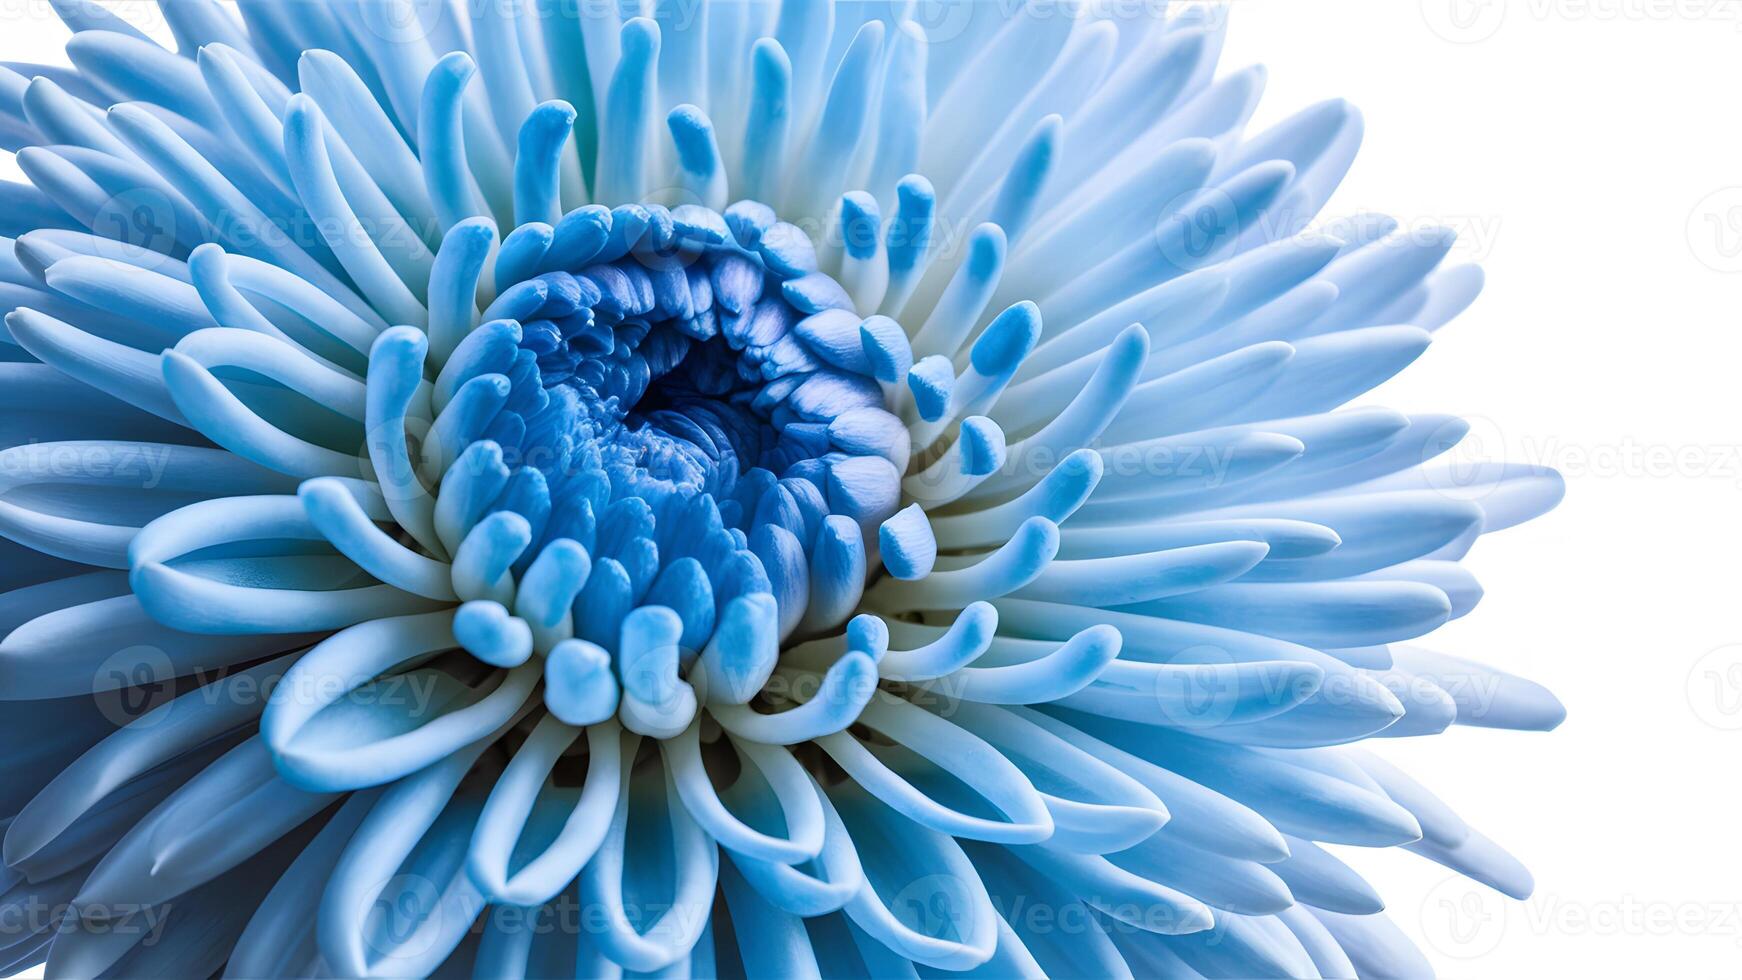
x=1590 y=154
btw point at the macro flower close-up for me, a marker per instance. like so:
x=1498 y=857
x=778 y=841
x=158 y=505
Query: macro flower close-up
x=843 y=488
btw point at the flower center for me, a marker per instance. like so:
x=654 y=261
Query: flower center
x=675 y=360
x=692 y=403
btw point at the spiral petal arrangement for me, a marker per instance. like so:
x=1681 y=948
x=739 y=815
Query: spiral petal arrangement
x=740 y=489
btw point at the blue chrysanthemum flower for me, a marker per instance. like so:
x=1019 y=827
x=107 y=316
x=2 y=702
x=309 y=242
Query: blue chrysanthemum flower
x=742 y=489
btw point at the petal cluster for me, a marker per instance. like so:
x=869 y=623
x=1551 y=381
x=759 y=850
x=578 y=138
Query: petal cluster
x=735 y=488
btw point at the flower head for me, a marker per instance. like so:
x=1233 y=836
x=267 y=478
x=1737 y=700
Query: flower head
x=766 y=488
